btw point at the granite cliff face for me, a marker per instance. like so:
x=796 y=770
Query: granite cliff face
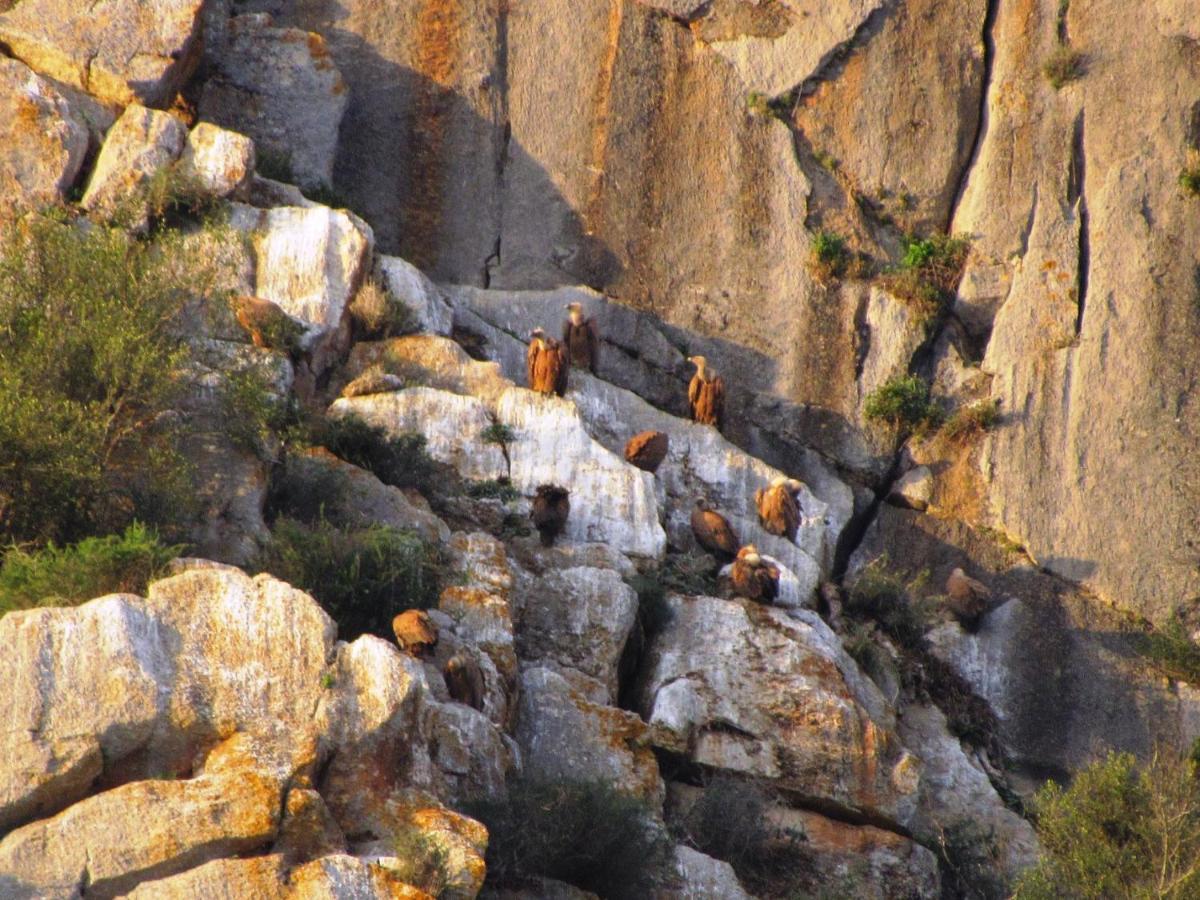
x=482 y=163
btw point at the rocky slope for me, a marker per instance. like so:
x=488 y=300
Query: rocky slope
x=666 y=164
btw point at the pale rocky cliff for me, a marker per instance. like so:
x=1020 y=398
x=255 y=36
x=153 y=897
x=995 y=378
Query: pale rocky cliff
x=666 y=164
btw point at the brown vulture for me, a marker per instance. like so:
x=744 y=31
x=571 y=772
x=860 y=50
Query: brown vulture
x=713 y=533
x=581 y=338
x=464 y=680
x=967 y=598
x=546 y=364
x=647 y=450
x=416 y=633
x=753 y=577
x=551 y=506
x=778 y=508
x=706 y=394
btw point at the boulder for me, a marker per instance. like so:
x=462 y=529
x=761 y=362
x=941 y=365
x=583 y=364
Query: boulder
x=138 y=150
x=480 y=605
x=119 y=51
x=420 y=296
x=106 y=844
x=309 y=261
x=218 y=162
x=564 y=735
x=913 y=489
x=699 y=876
x=578 y=617
x=753 y=693
x=280 y=87
x=43 y=140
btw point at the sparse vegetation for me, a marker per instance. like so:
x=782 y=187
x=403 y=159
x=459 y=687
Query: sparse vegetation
x=306 y=491
x=423 y=860
x=880 y=594
x=679 y=573
x=903 y=403
x=1189 y=175
x=928 y=273
x=1119 y=830
x=380 y=313
x=764 y=105
x=498 y=433
x=826 y=160
x=90 y=356
x=1171 y=650
x=399 y=460
x=970 y=862
x=65 y=576
x=361 y=577
x=498 y=488
x=971 y=421
x=586 y=833
x=829 y=256
x=253 y=413
x=1064 y=65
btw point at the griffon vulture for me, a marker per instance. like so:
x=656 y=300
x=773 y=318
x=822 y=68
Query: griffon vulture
x=551 y=506
x=464 y=680
x=706 y=394
x=713 y=533
x=967 y=598
x=581 y=338
x=416 y=633
x=546 y=364
x=647 y=450
x=753 y=577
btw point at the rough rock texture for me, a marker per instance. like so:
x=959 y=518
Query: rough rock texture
x=119 y=51
x=280 y=87
x=141 y=144
x=409 y=285
x=218 y=161
x=702 y=876
x=776 y=697
x=42 y=138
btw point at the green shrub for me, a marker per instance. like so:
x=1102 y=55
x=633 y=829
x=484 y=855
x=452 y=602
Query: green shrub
x=363 y=578
x=586 y=833
x=928 y=273
x=307 y=491
x=90 y=351
x=1064 y=65
x=253 y=413
x=1189 y=179
x=764 y=105
x=1119 y=832
x=1172 y=650
x=400 y=461
x=381 y=313
x=902 y=402
x=498 y=433
x=62 y=576
x=971 y=421
x=883 y=596
x=829 y=256
x=497 y=488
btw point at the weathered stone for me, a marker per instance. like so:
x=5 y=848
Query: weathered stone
x=913 y=489
x=420 y=296
x=218 y=161
x=110 y=842
x=42 y=139
x=699 y=876
x=578 y=617
x=565 y=736
x=480 y=605
x=139 y=148
x=120 y=51
x=775 y=696
x=373 y=381
x=280 y=87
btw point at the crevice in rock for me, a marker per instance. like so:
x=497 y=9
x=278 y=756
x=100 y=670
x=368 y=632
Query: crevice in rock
x=981 y=124
x=1077 y=197
x=493 y=262
x=830 y=64
x=1028 y=229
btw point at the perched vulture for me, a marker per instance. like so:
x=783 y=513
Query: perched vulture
x=551 y=506
x=967 y=598
x=713 y=532
x=647 y=450
x=416 y=633
x=546 y=364
x=581 y=338
x=464 y=680
x=753 y=577
x=778 y=509
x=706 y=394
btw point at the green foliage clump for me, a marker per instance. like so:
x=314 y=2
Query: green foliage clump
x=829 y=256
x=400 y=460
x=362 y=577
x=61 y=576
x=498 y=433
x=253 y=413
x=1118 y=831
x=903 y=402
x=928 y=272
x=691 y=575
x=1189 y=178
x=90 y=356
x=1064 y=65
x=971 y=421
x=880 y=594
x=586 y=833
x=1172 y=650
x=764 y=105
x=495 y=488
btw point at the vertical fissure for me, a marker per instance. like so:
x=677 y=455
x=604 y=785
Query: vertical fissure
x=1077 y=197
x=981 y=124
